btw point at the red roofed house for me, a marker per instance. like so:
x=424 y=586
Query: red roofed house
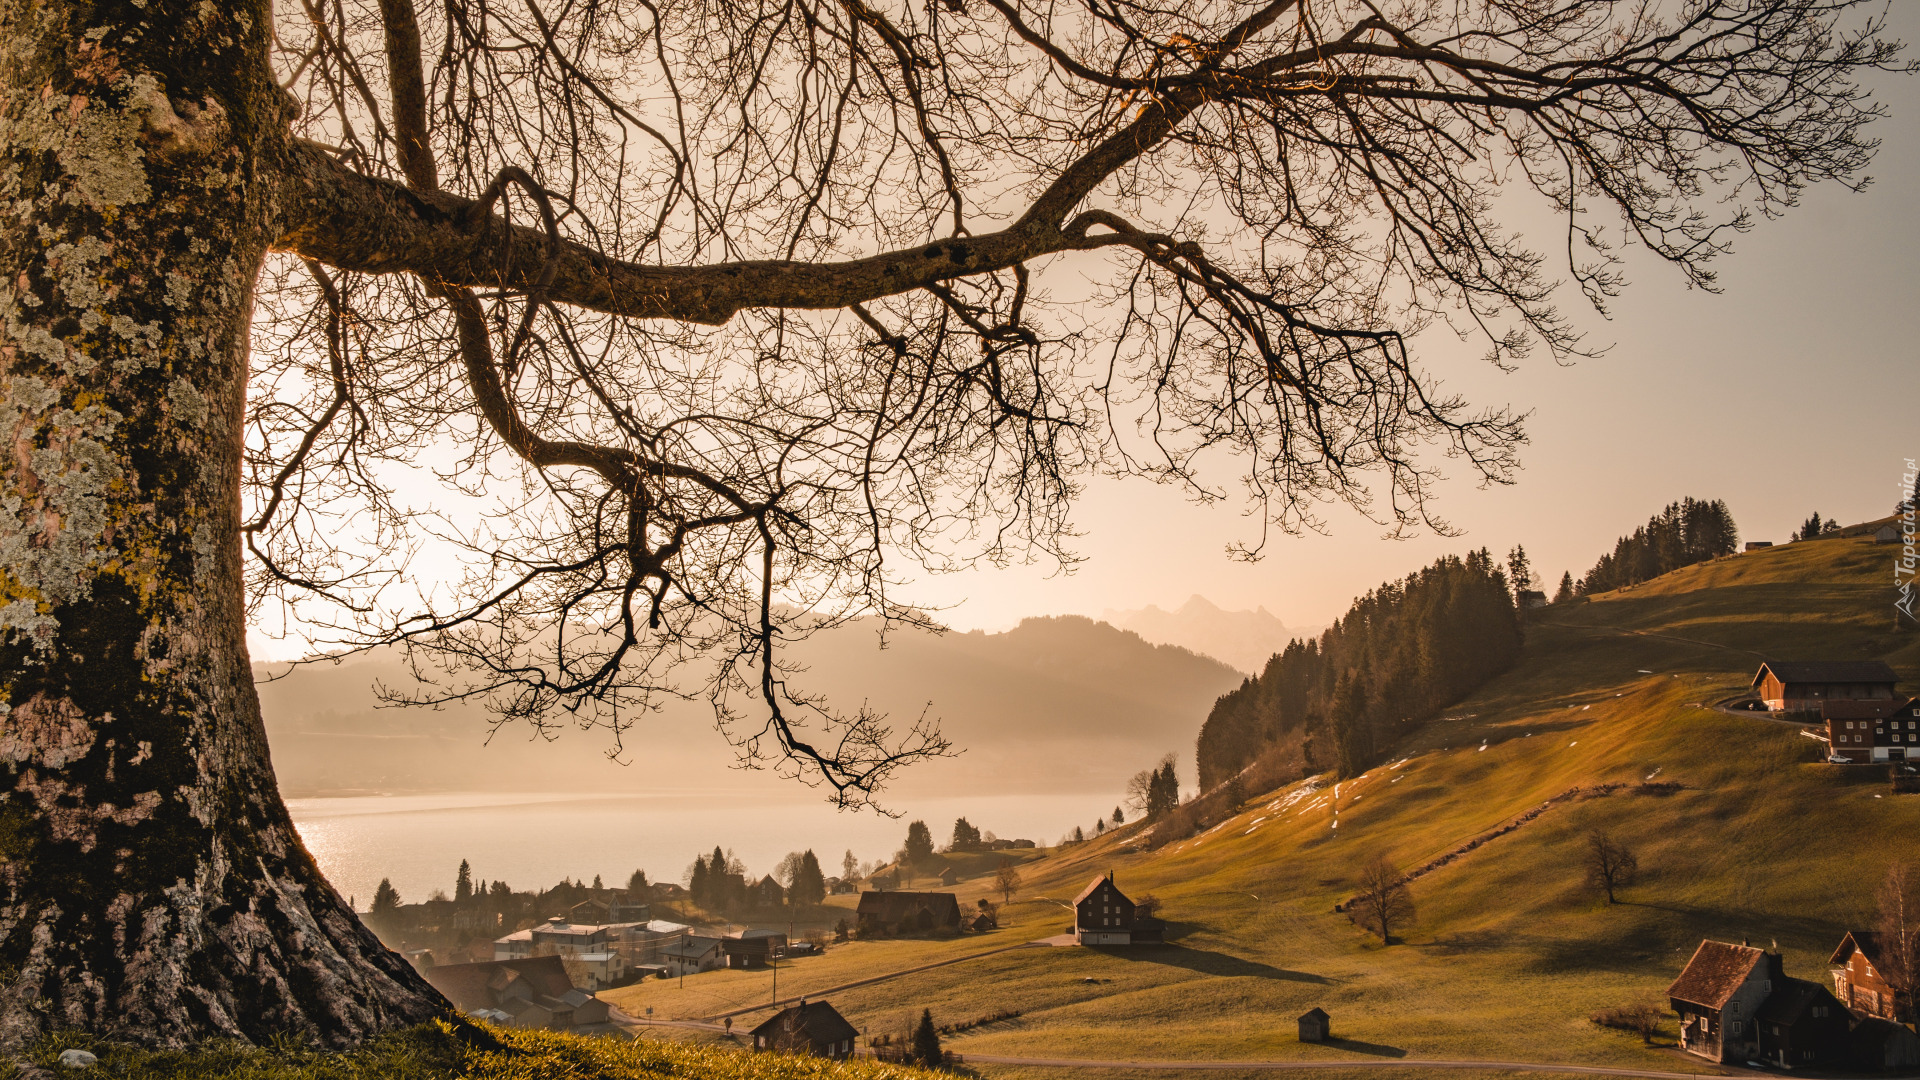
x=815 y=1028
x=1859 y=978
x=534 y=993
x=1805 y=685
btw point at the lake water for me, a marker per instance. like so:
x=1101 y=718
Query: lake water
x=533 y=840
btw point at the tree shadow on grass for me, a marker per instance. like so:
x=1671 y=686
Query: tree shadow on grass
x=1205 y=962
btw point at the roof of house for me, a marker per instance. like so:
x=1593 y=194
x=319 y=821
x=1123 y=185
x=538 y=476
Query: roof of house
x=1857 y=709
x=1872 y=1033
x=1865 y=942
x=1315 y=1013
x=1094 y=885
x=1790 y=1000
x=478 y=985
x=1827 y=671
x=1715 y=972
x=817 y=1021
x=894 y=906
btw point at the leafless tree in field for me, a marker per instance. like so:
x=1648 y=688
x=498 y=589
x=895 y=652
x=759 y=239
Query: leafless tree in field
x=1897 y=925
x=713 y=322
x=1384 y=900
x=1610 y=864
x=1006 y=879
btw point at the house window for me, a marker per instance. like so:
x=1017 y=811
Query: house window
x=1849 y=725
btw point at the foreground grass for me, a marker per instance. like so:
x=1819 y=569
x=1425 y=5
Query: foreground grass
x=435 y=1052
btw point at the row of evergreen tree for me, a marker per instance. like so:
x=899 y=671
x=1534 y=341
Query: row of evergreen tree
x=1402 y=653
x=719 y=883
x=1684 y=533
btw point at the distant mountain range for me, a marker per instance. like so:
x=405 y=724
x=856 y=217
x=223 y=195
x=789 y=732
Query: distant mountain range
x=1244 y=639
x=1054 y=705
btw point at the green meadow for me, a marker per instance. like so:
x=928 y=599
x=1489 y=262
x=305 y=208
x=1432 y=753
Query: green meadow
x=1740 y=829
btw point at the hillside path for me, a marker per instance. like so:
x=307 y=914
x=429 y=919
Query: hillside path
x=871 y=979
x=1390 y=1063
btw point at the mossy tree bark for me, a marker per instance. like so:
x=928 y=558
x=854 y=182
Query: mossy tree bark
x=152 y=886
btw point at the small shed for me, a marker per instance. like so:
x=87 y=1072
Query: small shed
x=1759 y=545
x=949 y=877
x=1887 y=534
x=1315 y=1025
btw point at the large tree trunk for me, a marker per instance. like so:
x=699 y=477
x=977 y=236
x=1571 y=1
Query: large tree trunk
x=152 y=887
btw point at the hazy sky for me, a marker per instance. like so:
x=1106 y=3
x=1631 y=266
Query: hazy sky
x=1790 y=391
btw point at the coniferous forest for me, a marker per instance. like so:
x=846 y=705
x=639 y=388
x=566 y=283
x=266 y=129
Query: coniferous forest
x=1401 y=654
x=1686 y=532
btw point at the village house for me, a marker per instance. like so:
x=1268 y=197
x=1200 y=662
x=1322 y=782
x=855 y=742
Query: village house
x=908 y=912
x=1102 y=915
x=1865 y=732
x=1737 y=1003
x=642 y=943
x=1717 y=996
x=594 y=946
x=616 y=908
x=692 y=955
x=532 y=993
x=1802 y=1025
x=811 y=1027
x=1805 y=685
x=1882 y=1044
x=768 y=893
x=752 y=948
x=1859 y=981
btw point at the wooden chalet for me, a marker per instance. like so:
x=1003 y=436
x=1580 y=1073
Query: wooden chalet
x=534 y=992
x=1805 y=685
x=1102 y=915
x=908 y=912
x=811 y=1027
x=1866 y=732
x=768 y=893
x=1858 y=967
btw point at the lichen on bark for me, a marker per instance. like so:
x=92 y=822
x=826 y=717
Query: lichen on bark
x=137 y=169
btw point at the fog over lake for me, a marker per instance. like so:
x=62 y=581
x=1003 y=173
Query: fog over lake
x=532 y=840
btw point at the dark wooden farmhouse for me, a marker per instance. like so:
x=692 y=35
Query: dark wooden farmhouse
x=1102 y=915
x=908 y=912
x=1864 y=732
x=1859 y=978
x=1804 y=685
x=1802 y=1025
x=811 y=1027
x=1737 y=1004
x=534 y=992
x=751 y=948
x=1882 y=1044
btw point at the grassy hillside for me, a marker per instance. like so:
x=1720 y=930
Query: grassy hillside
x=1510 y=954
